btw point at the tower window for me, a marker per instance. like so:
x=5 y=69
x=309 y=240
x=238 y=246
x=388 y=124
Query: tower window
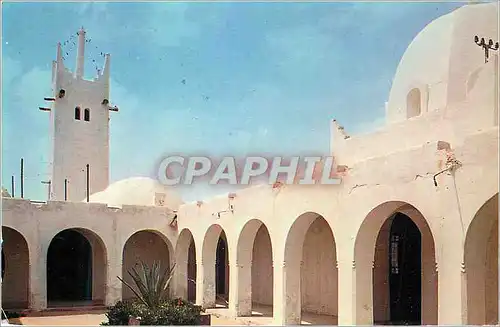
x=414 y=102
x=86 y=114
x=77 y=113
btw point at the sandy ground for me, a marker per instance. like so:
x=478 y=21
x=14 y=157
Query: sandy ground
x=96 y=319
x=261 y=315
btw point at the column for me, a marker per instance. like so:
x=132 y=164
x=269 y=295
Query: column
x=452 y=304
x=114 y=269
x=240 y=288
x=205 y=284
x=347 y=290
x=362 y=291
x=38 y=278
x=180 y=280
x=287 y=295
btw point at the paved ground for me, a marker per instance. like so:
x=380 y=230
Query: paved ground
x=96 y=319
x=261 y=315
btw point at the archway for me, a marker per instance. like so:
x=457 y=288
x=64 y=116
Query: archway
x=481 y=265
x=311 y=274
x=222 y=271
x=395 y=268
x=145 y=246
x=215 y=287
x=186 y=266
x=76 y=268
x=255 y=271
x=15 y=268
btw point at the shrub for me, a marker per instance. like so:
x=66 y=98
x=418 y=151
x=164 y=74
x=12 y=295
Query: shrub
x=11 y=314
x=172 y=312
x=152 y=284
x=152 y=306
x=119 y=314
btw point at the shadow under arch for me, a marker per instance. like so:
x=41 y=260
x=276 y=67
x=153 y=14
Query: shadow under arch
x=147 y=246
x=255 y=272
x=392 y=244
x=185 y=271
x=76 y=268
x=215 y=265
x=481 y=265
x=15 y=270
x=310 y=251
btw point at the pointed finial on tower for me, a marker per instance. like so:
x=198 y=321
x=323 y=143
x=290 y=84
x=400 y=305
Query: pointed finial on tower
x=81 y=54
x=107 y=62
x=59 y=53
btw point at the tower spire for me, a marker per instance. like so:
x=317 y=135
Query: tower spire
x=81 y=53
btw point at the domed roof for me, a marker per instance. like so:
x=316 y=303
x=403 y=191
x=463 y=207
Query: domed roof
x=141 y=191
x=441 y=58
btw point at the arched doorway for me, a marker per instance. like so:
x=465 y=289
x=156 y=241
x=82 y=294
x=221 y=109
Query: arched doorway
x=403 y=240
x=214 y=289
x=191 y=273
x=481 y=265
x=394 y=252
x=222 y=271
x=145 y=246
x=186 y=266
x=15 y=270
x=76 y=268
x=311 y=274
x=255 y=271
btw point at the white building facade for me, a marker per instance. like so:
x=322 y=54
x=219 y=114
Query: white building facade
x=409 y=236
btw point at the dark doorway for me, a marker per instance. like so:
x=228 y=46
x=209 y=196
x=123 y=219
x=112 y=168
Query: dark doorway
x=221 y=272
x=69 y=268
x=405 y=277
x=3 y=264
x=192 y=273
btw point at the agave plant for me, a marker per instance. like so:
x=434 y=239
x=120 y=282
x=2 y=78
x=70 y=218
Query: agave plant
x=151 y=284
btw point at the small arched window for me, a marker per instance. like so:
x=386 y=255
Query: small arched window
x=77 y=113
x=86 y=114
x=414 y=103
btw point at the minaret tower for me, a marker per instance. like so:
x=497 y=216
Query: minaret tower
x=79 y=136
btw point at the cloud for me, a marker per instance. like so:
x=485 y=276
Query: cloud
x=151 y=24
x=10 y=70
x=301 y=51
x=24 y=127
x=366 y=127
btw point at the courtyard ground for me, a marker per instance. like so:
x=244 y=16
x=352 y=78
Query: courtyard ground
x=96 y=319
x=262 y=315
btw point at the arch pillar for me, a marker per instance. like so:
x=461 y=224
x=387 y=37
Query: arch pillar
x=362 y=270
x=240 y=289
x=452 y=307
x=38 y=276
x=114 y=268
x=287 y=296
x=185 y=252
x=452 y=294
x=347 y=289
x=180 y=288
x=205 y=284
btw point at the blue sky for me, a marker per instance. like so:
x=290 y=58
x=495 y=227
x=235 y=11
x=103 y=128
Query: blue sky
x=259 y=77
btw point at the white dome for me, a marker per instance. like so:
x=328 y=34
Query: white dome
x=435 y=67
x=141 y=191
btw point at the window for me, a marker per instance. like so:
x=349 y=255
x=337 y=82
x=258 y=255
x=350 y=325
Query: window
x=414 y=103
x=77 y=113
x=86 y=114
